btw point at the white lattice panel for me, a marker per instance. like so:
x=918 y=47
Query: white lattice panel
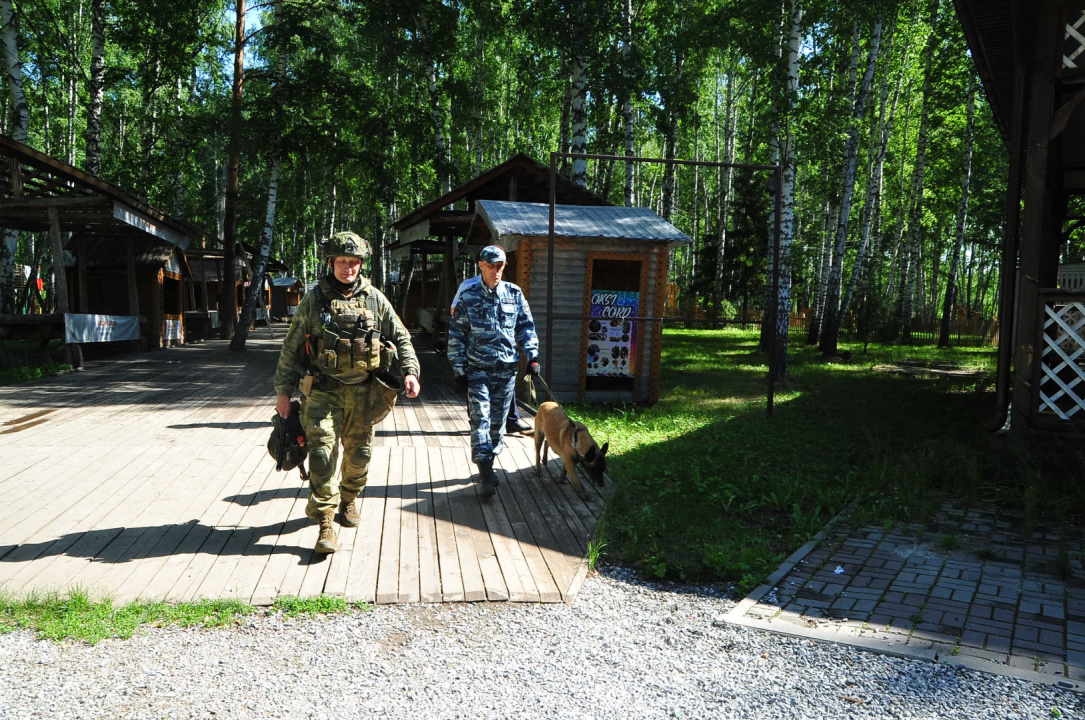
x=1062 y=384
x=1073 y=41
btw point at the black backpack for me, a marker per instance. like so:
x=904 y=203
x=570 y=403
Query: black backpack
x=293 y=447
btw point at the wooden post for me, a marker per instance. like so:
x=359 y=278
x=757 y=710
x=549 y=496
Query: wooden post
x=203 y=283
x=84 y=304
x=1036 y=221
x=60 y=280
x=133 y=291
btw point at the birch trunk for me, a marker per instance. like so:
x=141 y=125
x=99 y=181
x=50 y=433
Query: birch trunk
x=228 y=302
x=915 y=217
x=96 y=90
x=578 y=119
x=18 y=131
x=833 y=310
x=962 y=219
x=787 y=181
x=873 y=201
x=814 y=326
x=256 y=287
x=778 y=90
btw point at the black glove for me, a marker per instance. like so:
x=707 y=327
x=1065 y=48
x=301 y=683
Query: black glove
x=534 y=369
x=461 y=383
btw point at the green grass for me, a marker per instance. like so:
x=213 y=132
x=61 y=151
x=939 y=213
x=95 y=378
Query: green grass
x=77 y=616
x=707 y=488
x=949 y=542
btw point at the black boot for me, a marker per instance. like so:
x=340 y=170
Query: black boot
x=489 y=478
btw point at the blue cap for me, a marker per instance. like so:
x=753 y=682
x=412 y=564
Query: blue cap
x=492 y=254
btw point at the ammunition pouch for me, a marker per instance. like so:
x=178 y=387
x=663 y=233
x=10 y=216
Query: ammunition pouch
x=383 y=390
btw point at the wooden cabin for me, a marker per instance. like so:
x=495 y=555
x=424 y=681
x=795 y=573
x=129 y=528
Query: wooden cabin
x=96 y=275
x=286 y=294
x=205 y=287
x=1031 y=59
x=431 y=236
x=610 y=265
x=123 y=265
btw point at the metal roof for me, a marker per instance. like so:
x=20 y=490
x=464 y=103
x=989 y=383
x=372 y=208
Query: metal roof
x=286 y=282
x=587 y=221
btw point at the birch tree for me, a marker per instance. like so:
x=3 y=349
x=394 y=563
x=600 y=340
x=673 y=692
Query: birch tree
x=96 y=88
x=259 y=267
x=19 y=129
x=228 y=302
x=578 y=118
x=915 y=215
x=832 y=316
x=962 y=218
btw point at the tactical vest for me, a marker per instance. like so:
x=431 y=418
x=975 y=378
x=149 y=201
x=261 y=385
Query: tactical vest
x=350 y=347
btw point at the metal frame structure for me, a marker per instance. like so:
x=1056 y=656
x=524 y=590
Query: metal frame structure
x=777 y=188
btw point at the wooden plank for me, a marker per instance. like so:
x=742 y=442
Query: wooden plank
x=61 y=570
x=365 y=558
x=460 y=495
x=510 y=558
x=578 y=518
x=541 y=577
x=157 y=575
x=559 y=551
x=429 y=566
x=426 y=429
x=492 y=577
x=209 y=540
x=217 y=581
x=388 y=569
x=447 y=553
x=55 y=538
x=284 y=554
x=407 y=479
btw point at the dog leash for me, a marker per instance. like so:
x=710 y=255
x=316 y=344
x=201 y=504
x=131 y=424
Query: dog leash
x=539 y=379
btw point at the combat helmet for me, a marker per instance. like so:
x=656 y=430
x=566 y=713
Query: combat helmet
x=346 y=244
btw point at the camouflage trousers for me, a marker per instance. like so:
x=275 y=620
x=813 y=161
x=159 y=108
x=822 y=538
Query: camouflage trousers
x=331 y=417
x=489 y=394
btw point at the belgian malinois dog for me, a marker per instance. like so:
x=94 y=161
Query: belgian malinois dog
x=572 y=443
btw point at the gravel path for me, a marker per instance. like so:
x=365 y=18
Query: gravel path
x=624 y=649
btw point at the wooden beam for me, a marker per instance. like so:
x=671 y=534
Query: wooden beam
x=41 y=203
x=60 y=282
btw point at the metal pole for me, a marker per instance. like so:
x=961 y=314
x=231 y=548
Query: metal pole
x=773 y=359
x=550 y=268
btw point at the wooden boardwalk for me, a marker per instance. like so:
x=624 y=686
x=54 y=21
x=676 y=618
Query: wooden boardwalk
x=147 y=476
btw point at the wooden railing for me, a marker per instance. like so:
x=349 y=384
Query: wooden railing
x=1061 y=381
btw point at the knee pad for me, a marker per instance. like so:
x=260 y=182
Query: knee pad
x=320 y=461
x=362 y=455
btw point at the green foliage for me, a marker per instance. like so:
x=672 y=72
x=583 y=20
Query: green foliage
x=708 y=489
x=25 y=373
x=78 y=617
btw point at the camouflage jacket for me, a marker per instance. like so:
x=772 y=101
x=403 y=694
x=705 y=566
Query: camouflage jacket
x=307 y=321
x=486 y=326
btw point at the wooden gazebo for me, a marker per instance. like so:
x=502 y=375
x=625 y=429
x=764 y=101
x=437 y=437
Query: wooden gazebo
x=109 y=226
x=439 y=227
x=1031 y=58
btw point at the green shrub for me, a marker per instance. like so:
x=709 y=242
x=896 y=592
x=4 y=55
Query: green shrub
x=26 y=373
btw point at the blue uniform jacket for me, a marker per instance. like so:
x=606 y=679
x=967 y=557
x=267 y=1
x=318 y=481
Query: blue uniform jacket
x=486 y=326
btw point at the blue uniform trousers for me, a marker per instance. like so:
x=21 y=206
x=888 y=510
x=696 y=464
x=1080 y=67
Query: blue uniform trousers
x=489 y=393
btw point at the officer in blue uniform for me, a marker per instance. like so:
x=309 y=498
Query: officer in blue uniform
x=513 y=424
x=490 y=318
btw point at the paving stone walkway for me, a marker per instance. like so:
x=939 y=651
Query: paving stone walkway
x=968 y=588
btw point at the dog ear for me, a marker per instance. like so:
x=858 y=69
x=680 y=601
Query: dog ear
x=589 y=456
x=606 y=446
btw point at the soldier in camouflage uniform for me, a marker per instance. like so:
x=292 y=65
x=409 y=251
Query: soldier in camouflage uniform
x=336 y=352
x=488 y=321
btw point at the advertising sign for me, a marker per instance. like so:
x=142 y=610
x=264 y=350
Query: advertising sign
x=82 y=328
x=612 y=339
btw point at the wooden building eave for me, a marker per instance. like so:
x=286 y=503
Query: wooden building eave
x=33 y=184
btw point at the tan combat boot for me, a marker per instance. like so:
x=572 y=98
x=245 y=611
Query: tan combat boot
x=326 y=543
x=349 y=511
